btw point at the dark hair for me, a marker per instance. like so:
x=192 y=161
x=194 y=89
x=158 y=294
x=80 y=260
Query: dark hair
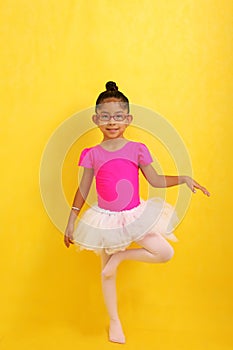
x=112 y=91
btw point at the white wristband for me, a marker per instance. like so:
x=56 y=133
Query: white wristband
x=75 y=208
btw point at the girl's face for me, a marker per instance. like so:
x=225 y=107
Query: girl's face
x=112 y=118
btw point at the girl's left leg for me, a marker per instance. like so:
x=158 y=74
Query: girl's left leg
x=116 y=333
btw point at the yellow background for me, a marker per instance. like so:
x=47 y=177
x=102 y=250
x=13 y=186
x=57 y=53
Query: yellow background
x=171 y=56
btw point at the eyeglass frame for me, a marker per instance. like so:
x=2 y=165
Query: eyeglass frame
x=112 y=116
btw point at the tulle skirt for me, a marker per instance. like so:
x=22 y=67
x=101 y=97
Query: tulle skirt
x=99 y=229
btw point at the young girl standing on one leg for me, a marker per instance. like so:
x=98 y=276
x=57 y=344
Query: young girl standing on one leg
x=121 y=216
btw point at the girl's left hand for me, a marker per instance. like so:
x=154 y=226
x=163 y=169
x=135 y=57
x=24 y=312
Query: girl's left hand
x=68 y=238
x=192 y=184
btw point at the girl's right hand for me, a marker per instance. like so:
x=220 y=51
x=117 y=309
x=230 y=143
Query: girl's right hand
x=68 y=238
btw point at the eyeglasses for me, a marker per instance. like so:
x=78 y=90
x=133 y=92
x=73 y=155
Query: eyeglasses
x=118 y=117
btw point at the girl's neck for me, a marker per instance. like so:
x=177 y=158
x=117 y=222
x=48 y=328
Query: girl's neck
x=114 y=144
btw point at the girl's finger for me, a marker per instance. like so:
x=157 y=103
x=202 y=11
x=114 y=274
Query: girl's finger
x=70 y=238
x=203 y=189
x=206 y=192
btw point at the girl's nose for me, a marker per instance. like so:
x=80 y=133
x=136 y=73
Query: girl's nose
x=111 y=121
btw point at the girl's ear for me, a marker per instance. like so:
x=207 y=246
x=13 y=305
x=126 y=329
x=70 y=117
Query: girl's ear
x=129 y=118
x=95 y=119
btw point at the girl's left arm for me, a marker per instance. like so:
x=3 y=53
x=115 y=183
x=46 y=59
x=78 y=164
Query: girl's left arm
x=157 y=180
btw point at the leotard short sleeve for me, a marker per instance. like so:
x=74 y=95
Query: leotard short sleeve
x=86 y=159
x=144 y=156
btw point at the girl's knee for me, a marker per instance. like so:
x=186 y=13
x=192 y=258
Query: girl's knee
x=167 y=253
x=158 y=246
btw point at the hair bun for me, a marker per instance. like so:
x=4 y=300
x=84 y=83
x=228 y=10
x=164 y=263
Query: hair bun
x=111 y=86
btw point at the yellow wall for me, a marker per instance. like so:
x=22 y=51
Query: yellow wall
x=171 y=56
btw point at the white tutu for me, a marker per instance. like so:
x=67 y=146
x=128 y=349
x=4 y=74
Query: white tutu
x=112 y=231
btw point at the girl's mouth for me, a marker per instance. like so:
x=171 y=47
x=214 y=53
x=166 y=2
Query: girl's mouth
x=112 y=129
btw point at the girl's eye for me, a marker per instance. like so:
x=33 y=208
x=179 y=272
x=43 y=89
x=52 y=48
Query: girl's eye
x=119 y=117
x=104 y=117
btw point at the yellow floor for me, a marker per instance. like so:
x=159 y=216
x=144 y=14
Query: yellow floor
x=53 y=334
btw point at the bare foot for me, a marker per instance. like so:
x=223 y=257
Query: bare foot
x=116 y=334
x=111 y=266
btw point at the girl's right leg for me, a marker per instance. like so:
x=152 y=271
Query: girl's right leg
x=116 y=333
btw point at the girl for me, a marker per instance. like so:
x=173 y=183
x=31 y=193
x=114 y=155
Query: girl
x=121 y=217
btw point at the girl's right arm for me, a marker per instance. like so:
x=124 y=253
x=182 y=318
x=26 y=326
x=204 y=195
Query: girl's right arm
x=79 y=200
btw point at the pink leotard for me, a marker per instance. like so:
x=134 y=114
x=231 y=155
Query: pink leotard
x=117 y=174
